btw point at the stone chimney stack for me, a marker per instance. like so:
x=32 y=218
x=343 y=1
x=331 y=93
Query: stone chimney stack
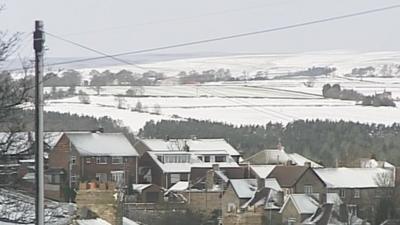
x=260 y=183
x=307 y=164
x=210 y=179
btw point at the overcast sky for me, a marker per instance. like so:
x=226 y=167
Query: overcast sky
x=115 y=26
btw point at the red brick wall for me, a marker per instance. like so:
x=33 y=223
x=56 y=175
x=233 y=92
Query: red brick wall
x=58 y=158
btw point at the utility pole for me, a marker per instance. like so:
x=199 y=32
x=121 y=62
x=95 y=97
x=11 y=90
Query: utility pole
x=38 y=43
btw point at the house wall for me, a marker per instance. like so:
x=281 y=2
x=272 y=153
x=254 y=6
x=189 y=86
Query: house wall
x=203 y=201
x=366 y=203
x=229 y=197
x=309 y=178
x=58 y=157
x=290 y=212
x=157 y=176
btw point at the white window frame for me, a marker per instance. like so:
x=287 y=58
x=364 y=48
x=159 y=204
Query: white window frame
x=117 y=160
x=118 y=177
x=291 y=221
x=99 y=177
x=88 y=160
x=308 y=189
x=100 y=161
x=73 y=160
x=74 y=178
x=357 y=193
x=342 y=193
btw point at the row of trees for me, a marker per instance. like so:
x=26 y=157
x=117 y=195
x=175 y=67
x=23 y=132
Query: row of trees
x=335 y=91
x=323 y=141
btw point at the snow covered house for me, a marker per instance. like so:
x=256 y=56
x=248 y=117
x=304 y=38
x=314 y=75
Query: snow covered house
x=297 y=179
x=359 y=188
x=95 y=156
x=166 y=162
x=252 y=201
x=279 y=157
x=321 y=209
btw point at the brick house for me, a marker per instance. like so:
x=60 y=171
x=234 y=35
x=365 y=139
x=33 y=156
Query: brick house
x=298 y=179
x=95 y=156
x=360 y=189
x=166 y=162
x=252 y=201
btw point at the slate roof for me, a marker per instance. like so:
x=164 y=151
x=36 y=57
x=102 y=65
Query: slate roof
x=101 y=144
x=354 y=177
x=245 y=188
x=287 y=176
x=195 y=145
x=278 y=157
x=305 y=204
x=262 y=171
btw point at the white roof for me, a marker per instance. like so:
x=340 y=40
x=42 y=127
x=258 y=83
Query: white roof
x=245 y=188
x=262 y=171
x=353 y=177
x=195 y=145
x=140 y=187
x=98 y=221
x=186 y=167
x=305 y=204
x=301 y=160
x=102 y=144
x=180 y=186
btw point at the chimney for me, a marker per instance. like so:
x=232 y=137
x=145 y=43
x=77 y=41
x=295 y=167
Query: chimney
x=260 y=183
x=215 y=167
x=322 y=198
x=210 y=179
x=289 y=163
x=307 y=164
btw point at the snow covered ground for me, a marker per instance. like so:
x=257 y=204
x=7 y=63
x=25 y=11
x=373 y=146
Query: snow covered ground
x=252 y=102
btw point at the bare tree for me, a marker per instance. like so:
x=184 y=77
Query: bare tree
x=121 y=102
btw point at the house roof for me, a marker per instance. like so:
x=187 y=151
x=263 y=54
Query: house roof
x=305 y=204
x=287 y=176
x=262 y=171
x=101 y=144
x=354 y=177
x=195 y=145
x=186 y=167
x=245 y=188
x=140 y=187
x=98 y=221
x=179 y=186
x=278 y=157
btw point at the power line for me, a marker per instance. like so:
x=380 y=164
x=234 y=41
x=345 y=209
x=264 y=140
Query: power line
x=287 y=27
x=95 y=51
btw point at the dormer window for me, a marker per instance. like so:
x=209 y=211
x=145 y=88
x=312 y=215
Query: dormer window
x=220 y=158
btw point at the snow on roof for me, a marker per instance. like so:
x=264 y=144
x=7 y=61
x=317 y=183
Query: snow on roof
x=353 y=177
x=179 y=186
x=278 y=157
x=221 y=175
x=245 y=188
x=140 y=187
x=194 y=145
x=301 y=160
x=98 y=221
x=305 y=204
x=186 y=167
x=14 y=143
x=333 y=198
x=262 y=171
x=101 y=144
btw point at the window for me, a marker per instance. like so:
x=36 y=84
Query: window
x=101 y=160
x=220 y=158
x=73 y=160
x=308 y=189
x=88 y=160
x=356 y=193
x=101 y=177
x=117 y=160
x=291 y=221
x=175 y=177
x=74 y=178
x=117 y=177
x=176 y=158
x=206 y=158
x=342 y=193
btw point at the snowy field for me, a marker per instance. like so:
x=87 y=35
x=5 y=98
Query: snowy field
x=253 y=102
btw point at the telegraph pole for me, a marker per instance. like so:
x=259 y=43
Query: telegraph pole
x=38 y=43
